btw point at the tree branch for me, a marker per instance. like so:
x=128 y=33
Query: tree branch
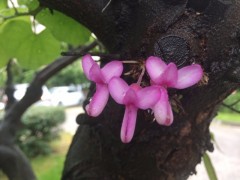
x=61 y=63
x=15 y=9
x=102 y=55
x=12 y=161
x=236 y=102
x=231 y=108
x=17 y=14
x=9 y=90
x=34 y=91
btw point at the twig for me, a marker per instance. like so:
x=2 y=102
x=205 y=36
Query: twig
x=17 y=14
x=231 y=108
x=15 y=9
x=130 y=62
x=61 y=63
x=9 y=90
x=236 y=102
x=141 y=76
x=102 y=55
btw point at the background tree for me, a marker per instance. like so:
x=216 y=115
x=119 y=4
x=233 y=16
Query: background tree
x=185 y=31
x=21 y=38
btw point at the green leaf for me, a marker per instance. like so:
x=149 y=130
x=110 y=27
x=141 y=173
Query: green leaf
x=31 y=50
x=10 y=11
x=11 y=33
x=2 y=77
x=209 y=167
x=3 y=56
x=63 y=27
x=3 y=4
x=31 y=4
x=39 y=50
x=4 y=13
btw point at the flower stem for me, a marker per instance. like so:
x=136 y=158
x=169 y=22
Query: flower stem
x=141 y=76
x=130 y=62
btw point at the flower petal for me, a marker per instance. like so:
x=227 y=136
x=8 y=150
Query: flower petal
x=162 y=109
x=87 y=63
x=99 y=101
x=130 y=97
x=169 y=119
x=95 y=74
x=169 y=77
x=155 y=67
x=147 y=97
x=189 y=76
x=136 y=87
x=118 y=88
x=128 y=124
x=112 y=69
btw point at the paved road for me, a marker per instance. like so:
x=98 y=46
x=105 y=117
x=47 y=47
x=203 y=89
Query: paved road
x=226 y=161
x=70 y=124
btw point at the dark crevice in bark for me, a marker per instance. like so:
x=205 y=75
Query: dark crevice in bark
x=198 y=5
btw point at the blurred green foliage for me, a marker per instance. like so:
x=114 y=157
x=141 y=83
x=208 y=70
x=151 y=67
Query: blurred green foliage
x=31 y=4
x=72 y=74
x=17 y=40
x=36 y=38
x=63 y=28
x=234 y=98
x=41 y=126
x=3 y=4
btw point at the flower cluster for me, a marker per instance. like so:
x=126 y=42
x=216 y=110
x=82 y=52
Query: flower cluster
x=135 y=97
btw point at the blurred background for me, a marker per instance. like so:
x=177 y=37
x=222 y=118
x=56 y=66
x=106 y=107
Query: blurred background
x=49 y=124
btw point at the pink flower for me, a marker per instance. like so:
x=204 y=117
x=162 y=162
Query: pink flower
x=101 y=77
x=164 y=75
x=133 y=97
x=162 y=109
x=169 y=76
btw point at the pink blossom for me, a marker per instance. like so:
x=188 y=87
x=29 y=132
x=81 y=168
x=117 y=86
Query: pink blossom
x=101 y=77
x=162 y=109
x=167 y=75
x=133 y=97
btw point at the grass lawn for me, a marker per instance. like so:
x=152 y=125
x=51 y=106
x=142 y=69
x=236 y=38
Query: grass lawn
x=50 y=167
x=232 y=118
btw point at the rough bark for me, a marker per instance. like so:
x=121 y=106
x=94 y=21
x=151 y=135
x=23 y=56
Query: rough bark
x=205 y=32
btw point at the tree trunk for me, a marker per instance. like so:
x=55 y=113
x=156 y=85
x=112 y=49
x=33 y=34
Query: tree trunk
x=206 y=32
